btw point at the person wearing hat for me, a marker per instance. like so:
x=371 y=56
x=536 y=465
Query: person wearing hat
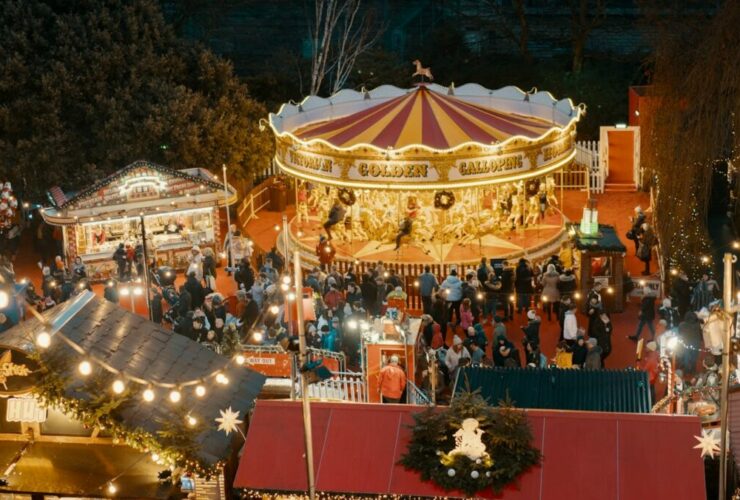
x=532 y=329
x=452 y=289
x=593 y=355
x=668 y=313
x=391 y=381
x=580 y=351
x=650 y=363
x=455 y=356
x=602 y=332
x=196 y=263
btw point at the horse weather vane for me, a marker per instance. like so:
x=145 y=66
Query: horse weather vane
x=421 y=71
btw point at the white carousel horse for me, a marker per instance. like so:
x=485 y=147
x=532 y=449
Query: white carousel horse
x=533 y=211
x=420 y=71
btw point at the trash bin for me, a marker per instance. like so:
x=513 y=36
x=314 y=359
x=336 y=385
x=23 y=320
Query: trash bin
x=278 y=197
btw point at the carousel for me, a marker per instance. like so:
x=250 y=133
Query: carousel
x=430 y=174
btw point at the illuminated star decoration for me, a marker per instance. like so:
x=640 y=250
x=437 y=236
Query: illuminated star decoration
x=228 y=421
x=708 y=443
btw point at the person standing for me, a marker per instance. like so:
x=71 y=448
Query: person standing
x=427 y=286
x=603 y=334
x=492 y=289
x=634 y=233
x=550 y=292
x=593 y=355
x=669 y=314
x=647 y=314
x=455 y=356
x=523 y=285
x=645 y=247
x=650 y=363
x=391 y=381
x=690 y=331
x=681 y=294
x=452 y=287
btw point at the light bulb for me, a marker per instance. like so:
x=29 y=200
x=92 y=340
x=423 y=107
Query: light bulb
x=200 y=390
x=155 y=457
x=240 y=359
x=479 y=296
x=175 y=396
x=112 y=488
x=192 y=420
x=85 y=368
x=276 y=228
x=4 y=300
x=220 y=378
x=43 y=340
x=291 y=296
x=274 y=309
x=416 y=283
x=124 y=291
x=148 y=395
x=577 y=295
x=119 y=386
x=352 y=324
x=138 y=290
x=512 y=297
x=544 y=299
x=286 y=280
x=257 y=336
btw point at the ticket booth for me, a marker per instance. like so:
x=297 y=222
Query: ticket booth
x=380 y=341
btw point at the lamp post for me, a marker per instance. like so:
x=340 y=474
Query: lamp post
x=723 y=405
x=230 y=260
x=303 y=358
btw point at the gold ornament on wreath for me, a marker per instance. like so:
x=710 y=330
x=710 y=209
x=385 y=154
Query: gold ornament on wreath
x=471 y=446
x=346 y=196
x=444 y=200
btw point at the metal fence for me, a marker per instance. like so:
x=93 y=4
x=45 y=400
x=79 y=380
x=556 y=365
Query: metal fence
x=342 y=386
x=587 y=155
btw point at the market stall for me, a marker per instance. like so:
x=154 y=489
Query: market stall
x=172 y=209
x=99 y=402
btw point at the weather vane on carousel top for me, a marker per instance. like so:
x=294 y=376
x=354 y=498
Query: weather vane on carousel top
x=422 y=71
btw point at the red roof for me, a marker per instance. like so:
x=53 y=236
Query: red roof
x=605 y=456
x=424 y=117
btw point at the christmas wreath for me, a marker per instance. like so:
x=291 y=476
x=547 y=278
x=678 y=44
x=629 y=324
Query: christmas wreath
x=471 y=446
x=444 y=199
x=347 y=197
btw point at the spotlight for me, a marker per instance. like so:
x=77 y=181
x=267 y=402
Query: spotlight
x=175 y=396
x=119 y=386
x=43 y=340
x=148 y=395
x=85 y=368
x=200 y=390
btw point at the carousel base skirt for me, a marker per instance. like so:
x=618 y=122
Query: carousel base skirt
x=530 y=241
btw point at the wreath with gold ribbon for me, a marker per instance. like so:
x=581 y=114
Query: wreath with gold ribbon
x=346 y=196
x=444 y=200
x=502 y=438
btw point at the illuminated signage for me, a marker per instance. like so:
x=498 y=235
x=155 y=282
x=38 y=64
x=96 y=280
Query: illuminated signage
x=489 y=165
x=18 y=372
x=392 y=170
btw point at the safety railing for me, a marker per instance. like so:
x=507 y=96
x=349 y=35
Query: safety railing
x=342 y=386
x=573 y=176
x=416 y=396
x=587 y=155
x=338 y=357
x=257 y=199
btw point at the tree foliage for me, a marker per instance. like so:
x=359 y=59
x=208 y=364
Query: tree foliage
x=694 y=113
x=89 y=86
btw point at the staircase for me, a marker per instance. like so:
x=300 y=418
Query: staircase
x=619 y=187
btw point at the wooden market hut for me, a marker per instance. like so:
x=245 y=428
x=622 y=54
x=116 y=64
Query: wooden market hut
x=64 y=434
x=180 y=208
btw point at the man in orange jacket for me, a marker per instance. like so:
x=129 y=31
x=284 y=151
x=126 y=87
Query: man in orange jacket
x=391 y=381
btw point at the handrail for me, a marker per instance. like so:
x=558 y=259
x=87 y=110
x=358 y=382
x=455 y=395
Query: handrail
x=417 y=396
x=658 y=246
x=339 y=356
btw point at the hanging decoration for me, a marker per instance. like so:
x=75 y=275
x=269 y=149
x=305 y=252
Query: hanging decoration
x=708 y=443
x=346 y=196
x=444 y=200
x=8 y=206
x=471 y=446
x=228 y=421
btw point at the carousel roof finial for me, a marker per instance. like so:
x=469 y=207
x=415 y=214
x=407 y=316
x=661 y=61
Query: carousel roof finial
x=451 y=89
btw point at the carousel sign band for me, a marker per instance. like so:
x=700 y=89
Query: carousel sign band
x=390 y=170
x=490 y=165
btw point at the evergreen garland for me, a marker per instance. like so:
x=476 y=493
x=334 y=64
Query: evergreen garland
x=507 y=438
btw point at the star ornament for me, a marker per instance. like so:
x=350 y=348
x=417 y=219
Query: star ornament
x=228 y=420
x=708 y=443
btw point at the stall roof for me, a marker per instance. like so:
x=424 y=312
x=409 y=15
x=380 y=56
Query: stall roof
x=556 y=389
x=607 y=240
x=77 y=470
x=608 y=456
x=139 y=348
x=141 y=187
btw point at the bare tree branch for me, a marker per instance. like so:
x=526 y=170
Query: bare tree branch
x=585 y=15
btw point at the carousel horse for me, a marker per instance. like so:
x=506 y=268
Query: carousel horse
x=515 y=215
x=533 y=211
x=421 y=71
x=552 y=200
x=302 y=205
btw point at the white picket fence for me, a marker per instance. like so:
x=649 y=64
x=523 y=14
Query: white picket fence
x=342 y=386
x=587 y=155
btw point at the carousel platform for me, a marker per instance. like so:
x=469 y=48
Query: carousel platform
x=530 y=241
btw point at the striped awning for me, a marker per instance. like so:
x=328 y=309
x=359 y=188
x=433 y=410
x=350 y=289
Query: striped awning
x=424 y=117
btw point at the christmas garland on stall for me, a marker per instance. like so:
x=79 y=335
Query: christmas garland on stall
x=444 y=199
x=346 y=196
x=174 y=443
x=438 y=450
